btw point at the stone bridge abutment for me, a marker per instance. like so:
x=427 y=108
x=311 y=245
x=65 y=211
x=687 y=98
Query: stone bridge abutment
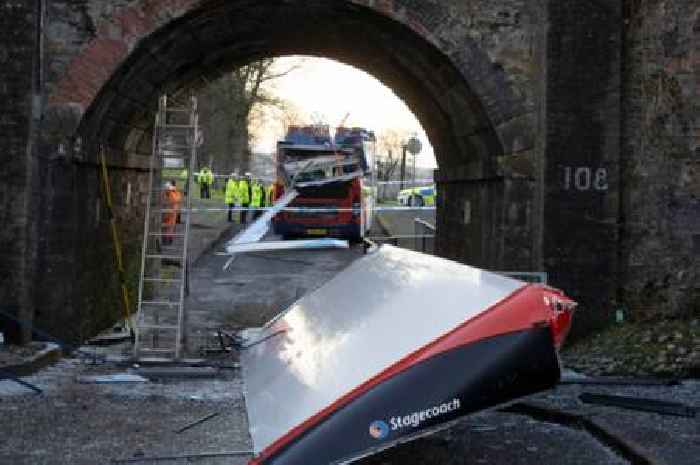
x=523 y=101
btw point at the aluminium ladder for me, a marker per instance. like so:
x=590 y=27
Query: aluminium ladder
x=160 y=321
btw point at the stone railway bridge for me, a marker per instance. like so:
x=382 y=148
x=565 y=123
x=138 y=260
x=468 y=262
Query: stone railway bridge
x=565 y=131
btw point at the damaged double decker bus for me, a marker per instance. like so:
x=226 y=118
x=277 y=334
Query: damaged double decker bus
x=334 y=178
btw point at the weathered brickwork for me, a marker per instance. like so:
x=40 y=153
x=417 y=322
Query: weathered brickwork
x=662 y=158
x=110 y=60
x=76 y=275
x=565 y=141
x=581 y=174
x=17 y=81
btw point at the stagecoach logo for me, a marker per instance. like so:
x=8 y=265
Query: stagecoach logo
x=380 y=429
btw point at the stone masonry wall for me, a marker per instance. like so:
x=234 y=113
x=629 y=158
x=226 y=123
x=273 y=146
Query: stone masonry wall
x=585 y=158
x=18 y=51
x=661 y=155
x=581 y=178
x=498 y=44
x=480 y=221
x=76 y=274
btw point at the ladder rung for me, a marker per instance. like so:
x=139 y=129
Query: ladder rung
x=160 y=280
x=168 y=327
x=168 y=126
x=165 y=234
x=173 y=146
x=145 y=350
x=156 y=351
x=164 y=257
x=160 y=303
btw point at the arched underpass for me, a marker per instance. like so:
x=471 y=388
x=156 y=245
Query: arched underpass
x=510 y=93
x=196 y=48
x=574 y=159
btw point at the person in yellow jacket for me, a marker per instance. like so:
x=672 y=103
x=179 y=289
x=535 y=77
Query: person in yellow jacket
x=270 y=195
x=257 y=198
x=231 y=195
x=244 y=194
x=184 y=184
x=183 y=178
x=206 y=179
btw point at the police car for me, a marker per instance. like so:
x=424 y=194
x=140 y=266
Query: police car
x=417 y=196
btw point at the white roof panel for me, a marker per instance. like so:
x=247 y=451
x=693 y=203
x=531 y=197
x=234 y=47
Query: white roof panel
x=373 y=314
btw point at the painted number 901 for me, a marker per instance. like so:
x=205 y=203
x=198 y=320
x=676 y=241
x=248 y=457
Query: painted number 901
x=585 y=179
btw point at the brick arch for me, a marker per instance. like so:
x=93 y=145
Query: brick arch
x=151 y=46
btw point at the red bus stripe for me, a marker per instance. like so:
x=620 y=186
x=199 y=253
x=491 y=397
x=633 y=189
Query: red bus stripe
x=523 y=309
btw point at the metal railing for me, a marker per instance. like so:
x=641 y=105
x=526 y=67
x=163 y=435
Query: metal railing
x=536 y=277
x=424 y=236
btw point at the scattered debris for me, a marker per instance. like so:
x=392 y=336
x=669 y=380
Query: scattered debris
x=110 y=339
x=51 y=341
x=26 y=360
x=483 y=428
x=112 y=379
x=260 y=340
x=638 y=403
x=616 y=381
x=166 y=458
x=11 y=377
x=196 y=422
x=154 y=361
x=268 y=246
x=178 y=372
x=259 y=227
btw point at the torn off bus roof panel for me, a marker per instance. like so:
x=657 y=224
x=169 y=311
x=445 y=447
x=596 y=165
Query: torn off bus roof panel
x=302 y=244
x=259 y=227
x=395 y=346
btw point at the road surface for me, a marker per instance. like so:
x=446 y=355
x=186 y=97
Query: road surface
x=86 y=424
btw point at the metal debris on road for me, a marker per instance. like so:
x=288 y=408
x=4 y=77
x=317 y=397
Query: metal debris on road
x=271 y=246
x=112 y=379
x=614 y=381
x=178 y=372
x=124 y=360
x=347 y=357
x=483 y=428
x=259 y=227
x=638 y=403
x=196 y=422
x=9 y=376
x=165 y=458
x=110 y=339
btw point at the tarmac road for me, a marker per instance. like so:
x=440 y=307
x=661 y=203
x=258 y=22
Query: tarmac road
x=259 y=286
x=75 y=423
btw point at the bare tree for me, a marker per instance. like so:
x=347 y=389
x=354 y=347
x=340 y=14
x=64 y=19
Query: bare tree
x=277 y=119
x=228 y=109
x=292 y=115
x=390 y=144
x=319 y=119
